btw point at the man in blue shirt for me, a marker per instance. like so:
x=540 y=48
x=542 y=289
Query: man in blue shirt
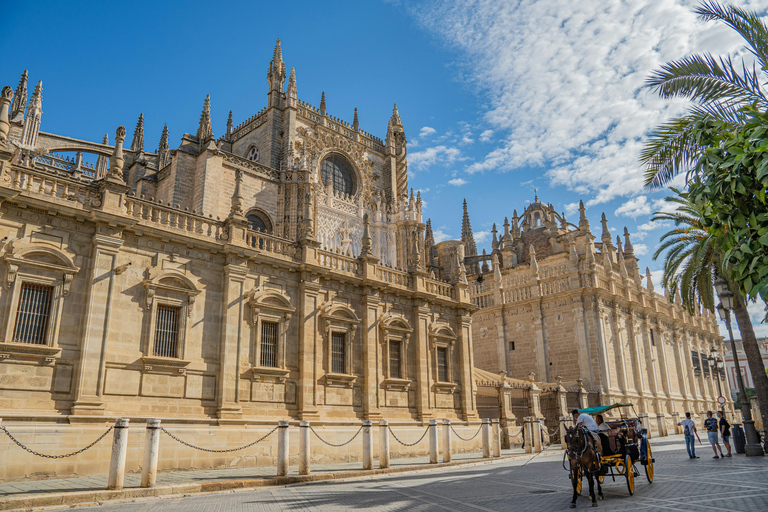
x=711 y=424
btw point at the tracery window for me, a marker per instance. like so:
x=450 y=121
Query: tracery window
x=259 y=222
x=337 y=170
x=253 y=154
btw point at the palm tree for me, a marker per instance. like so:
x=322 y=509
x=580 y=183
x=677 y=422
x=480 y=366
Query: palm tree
x=692 y=263
x=720 y=90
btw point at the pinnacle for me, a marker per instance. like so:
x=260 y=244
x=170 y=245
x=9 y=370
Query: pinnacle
x=137 y=144
x=204 y=130
x=277 y=55
x=20 y=97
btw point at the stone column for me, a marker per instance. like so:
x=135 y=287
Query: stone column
x=383 y=444
x=230 y=349
x=496 y=438
x=536 y=428
x=310 y=345
x=528 y=434
x=468 y=407
x=508 y=420
x=98 y=316
x=371 y=354
x=433 y=441
x=119 y=452
x=486 y=436
x=421 y=314
x=681 y=368
x=283 y=447
x=367 y=445
x=676 y=420
x=446 y=440
x=305 y=452
x=618 y=347
x=151 y=454
x=661 y=424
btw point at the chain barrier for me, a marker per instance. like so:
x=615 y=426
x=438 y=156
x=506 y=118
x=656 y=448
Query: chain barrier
x=407 y=444
x=63 y=456
x=335 y=445
x=468 y=439
x=510 y=436
x=218 y=451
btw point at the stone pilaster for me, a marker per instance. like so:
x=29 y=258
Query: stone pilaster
x=421 y=315
x=309 y=339
x=230 y=349
x=468 y=406
x=371 y=354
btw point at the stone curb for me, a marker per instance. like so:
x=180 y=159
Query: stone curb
x=101 y=497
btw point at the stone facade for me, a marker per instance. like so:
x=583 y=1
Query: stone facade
x=226 y=280
x=554 y=304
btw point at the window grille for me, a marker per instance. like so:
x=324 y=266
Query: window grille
x=705 y=364
x=395 y=360
x=695 y=360
x=337 y=169
x=442 y=364
x=269 y=344
x=339 y=352
x=167 y=331
x=33 y=314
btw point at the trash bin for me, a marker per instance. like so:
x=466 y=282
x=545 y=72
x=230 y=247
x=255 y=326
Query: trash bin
x=739 y=441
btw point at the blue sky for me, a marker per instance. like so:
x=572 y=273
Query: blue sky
x=497 y=98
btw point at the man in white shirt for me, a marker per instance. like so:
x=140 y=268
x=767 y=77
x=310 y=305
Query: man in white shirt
x=587 y=422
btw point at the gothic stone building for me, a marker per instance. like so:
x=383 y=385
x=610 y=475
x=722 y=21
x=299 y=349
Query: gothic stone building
x=554 y=304
x=274 y=272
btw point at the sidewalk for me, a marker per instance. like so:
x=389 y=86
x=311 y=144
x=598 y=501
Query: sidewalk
x=65 y=492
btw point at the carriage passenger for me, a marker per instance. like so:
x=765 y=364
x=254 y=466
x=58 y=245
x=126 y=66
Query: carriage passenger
x=585 y=420
x=602 y=426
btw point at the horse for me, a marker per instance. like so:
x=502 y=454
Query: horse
x=583 y=460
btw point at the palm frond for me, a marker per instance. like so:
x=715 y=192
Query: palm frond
x=671 y=148
x=747 y=23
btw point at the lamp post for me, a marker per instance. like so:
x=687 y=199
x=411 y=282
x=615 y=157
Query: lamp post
x=753 y=446
x=714 y=361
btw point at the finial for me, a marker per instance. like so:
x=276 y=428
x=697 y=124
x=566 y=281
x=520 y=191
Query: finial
x=534 y=263
x=396 y=121
x=583 y=222
x=19 y=98
x=163 y=152
x=367 y=242
x=355 y=122
x=236 y=208
x=230 y=124
x=277 y=55
x=606 y=235
x=33 y=117
x=322 y=104
x=628 y=249
x=204 y=129
x=649 y=280
x=535 y=195
x=102 y=161
x=116 y=161
x=467 y=237
x=105 y=140
x=5 y=99
x=292 y=91
x=137 y=144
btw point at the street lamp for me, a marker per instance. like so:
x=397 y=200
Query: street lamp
x=724 y=312
x=713 y=359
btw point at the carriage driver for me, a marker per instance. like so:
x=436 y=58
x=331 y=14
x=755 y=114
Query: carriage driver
x=590 y=424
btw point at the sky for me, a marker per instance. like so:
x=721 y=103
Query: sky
x=500 y=99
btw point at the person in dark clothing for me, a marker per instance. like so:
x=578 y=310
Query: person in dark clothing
x=725 y=432
x=711 y=424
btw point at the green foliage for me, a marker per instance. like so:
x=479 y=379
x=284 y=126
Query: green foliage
x=750 y=393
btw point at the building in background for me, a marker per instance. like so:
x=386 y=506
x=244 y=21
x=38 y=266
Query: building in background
x=730 y=364
x=554 y=302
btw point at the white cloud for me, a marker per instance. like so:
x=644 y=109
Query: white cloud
x=486 y=135
x=435 y=155
x=426 y=131
x=635 y=207
x=756 y=313
x=457 y=182
x=564 y=80
x=481 y=237
x=640 y=249
x=441 y=235
x=571 y=208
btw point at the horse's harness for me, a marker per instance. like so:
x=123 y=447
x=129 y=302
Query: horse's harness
x=571 y=453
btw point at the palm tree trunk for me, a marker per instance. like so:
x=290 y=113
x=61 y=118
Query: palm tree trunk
x=754 y=359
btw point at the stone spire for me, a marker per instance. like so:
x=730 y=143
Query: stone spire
x=583 y=222
x=485 y=268
x=5 y=100
x=396 y=121
x=606 y=236
x=230 y=124
x=163 y=152
x=33 y=118
x=430 y=251
x=515 y=224
x=648 y=279
x=495 y=241
x=355 y=122
x=276 y=76
x=204 y=129
x=466 y=234
x=19 y=99
x=322 y=104
x=292 y=93
x=629 y=250
x=137 y=144
x=116 y=161
x=102 y=162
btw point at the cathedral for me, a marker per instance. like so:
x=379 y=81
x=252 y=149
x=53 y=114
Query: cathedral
x=276 y=271
x=556 y=302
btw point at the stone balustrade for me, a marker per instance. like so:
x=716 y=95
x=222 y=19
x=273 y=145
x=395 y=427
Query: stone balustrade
x=57 y=186
x=338 y=262
x=155 y=214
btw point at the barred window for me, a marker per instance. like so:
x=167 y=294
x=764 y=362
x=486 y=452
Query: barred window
x=269 y=344
x=33 y=313
x=395 y=360
x=336 y=169
x=167 y=331
x=442 y=364
x=695 y=360
x=705 y=364
x=339 y=352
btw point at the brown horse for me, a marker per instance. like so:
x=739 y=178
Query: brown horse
x=584 y=461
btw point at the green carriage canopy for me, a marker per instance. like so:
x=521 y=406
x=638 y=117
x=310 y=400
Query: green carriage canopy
x=602 y=408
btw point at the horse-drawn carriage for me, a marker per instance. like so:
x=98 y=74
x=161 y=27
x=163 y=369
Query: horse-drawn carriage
x=624 y=444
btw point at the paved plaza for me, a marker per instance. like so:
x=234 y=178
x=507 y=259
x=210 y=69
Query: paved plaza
x=536 y=484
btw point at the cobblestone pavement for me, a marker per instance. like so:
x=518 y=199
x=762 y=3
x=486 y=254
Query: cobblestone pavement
x=537 y=484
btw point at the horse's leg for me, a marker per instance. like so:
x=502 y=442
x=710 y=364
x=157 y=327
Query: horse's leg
x=591 y=479
x=573 y=482
x=599 y=490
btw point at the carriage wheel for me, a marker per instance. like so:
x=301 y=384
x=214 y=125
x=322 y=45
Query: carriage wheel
x=649 y=465
x=629 y=472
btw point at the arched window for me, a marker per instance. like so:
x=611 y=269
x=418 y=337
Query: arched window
x=339 y=170
x=259 y=222
x=253 y=154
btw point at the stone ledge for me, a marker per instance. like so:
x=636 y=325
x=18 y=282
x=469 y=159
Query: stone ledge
x=102 y=497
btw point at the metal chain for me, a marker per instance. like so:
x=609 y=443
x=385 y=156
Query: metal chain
x=33 y=452
x=510 y=436
x=556 y=431
x=469 y=439
x=331 y=444
x=218 y=451
x=408 y=444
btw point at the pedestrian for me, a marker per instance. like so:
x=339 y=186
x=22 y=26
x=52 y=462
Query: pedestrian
x=689 y=429
x=711 y=424
x=725 y=432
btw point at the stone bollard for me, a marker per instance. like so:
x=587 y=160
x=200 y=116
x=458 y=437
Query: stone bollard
x=563 y=430
x=446 y=440
x=304 y=449
x=433 y=441
x=676 y=420
x=119 y=451
x=383 y=444
x=528 y=434
x=367 y=445
x=151 y=454
x=661 y=424
x=486 y=434
x=282 y=448
x=537 y=441
x=643 y=417
x=496 y=438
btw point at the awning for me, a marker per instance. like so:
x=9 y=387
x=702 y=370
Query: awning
x=602 y=408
